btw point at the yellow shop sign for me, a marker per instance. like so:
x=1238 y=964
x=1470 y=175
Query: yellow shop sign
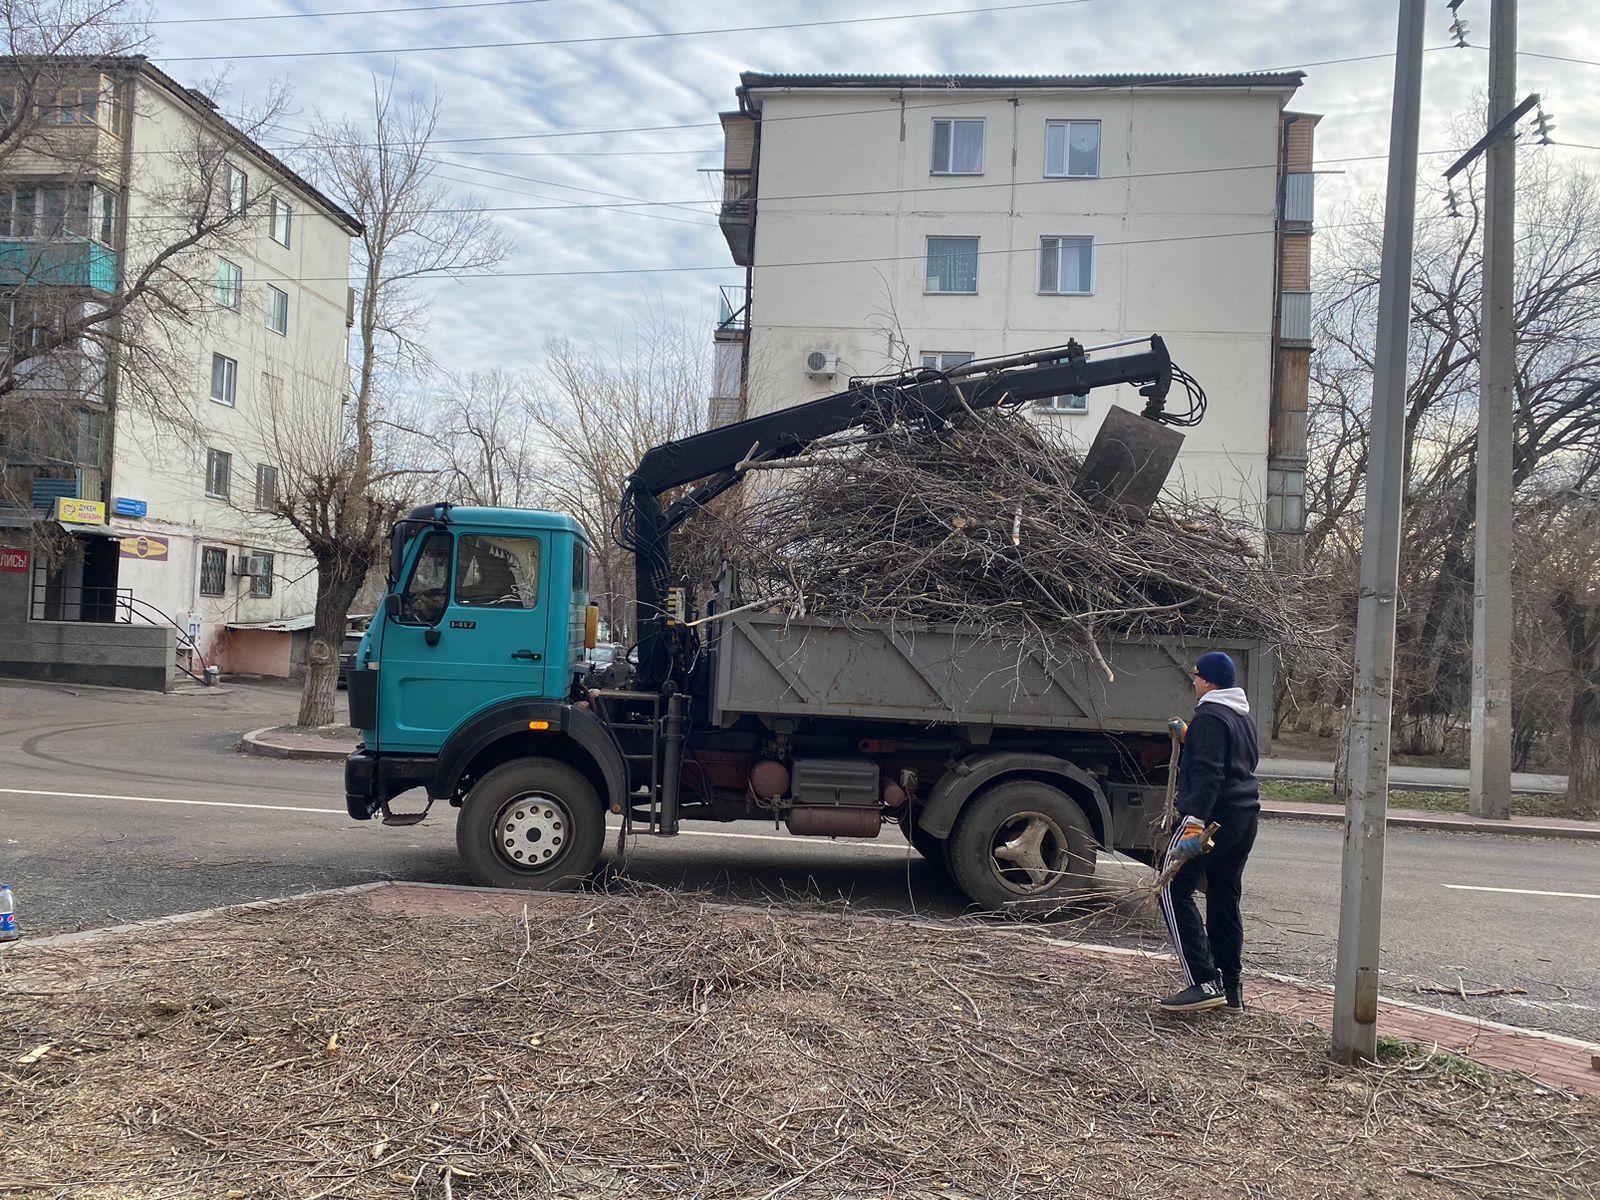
x=80 y=512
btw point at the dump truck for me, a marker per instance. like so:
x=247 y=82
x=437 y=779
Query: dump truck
x=1008 y=762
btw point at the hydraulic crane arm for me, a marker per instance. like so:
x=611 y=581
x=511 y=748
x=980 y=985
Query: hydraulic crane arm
x=717 y=459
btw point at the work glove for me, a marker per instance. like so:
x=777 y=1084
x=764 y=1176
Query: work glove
x=1190 y=834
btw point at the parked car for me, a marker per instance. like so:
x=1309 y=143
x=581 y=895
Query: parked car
x=354 y=629
x=605 y=666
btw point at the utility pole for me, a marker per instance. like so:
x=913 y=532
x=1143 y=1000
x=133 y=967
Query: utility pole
x=1491 y=590
x=1355 y=996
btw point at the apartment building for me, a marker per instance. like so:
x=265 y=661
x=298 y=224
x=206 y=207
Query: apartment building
x=152 y=457
x=887 y=221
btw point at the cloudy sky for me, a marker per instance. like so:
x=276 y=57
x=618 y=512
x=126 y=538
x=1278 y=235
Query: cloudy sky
x=544 y=100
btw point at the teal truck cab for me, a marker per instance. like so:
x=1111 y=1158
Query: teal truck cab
x=1001 y=765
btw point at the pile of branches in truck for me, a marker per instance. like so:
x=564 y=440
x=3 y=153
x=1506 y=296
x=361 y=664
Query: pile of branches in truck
x=980 y=524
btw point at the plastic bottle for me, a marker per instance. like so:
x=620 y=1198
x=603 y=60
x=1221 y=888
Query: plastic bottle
x=8 y=915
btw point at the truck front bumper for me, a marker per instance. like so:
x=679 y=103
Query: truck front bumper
x=372 y=779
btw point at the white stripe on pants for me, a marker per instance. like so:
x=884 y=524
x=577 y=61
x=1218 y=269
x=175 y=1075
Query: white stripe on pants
x=1171 y=916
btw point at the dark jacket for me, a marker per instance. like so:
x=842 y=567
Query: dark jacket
x=1217 y=769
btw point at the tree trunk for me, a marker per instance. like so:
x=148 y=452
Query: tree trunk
x=1583 y=770
x=1341 y=757
x=1422 y=733
x=338 y=581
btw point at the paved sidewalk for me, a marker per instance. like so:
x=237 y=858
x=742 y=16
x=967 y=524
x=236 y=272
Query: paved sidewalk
x=1443 y=779
x=1417 y=818
x=327 y=743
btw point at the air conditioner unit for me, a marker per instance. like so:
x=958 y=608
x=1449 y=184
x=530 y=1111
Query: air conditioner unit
x=253 y=565
x=821 y=364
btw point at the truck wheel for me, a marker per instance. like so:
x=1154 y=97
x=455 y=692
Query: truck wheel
x=533 y=823
x=1019 y=845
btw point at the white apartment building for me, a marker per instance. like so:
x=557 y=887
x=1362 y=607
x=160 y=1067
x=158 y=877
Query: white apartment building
x=263 y=360
x=894 y=221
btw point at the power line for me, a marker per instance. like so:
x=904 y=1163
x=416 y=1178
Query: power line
x=340 y=12
x=629 y=37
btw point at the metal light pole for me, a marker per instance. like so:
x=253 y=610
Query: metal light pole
x=1491 y=591
x=1355 y=999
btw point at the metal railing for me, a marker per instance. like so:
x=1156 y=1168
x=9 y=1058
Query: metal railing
x=89 y=604
x=733 y=308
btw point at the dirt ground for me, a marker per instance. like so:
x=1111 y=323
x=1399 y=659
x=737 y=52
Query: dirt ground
x=647 y=1045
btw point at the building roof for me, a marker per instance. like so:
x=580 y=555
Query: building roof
x=1239 y=79
x=202 y=104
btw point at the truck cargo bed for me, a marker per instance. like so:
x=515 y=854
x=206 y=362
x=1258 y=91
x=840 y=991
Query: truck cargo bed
x=768 y=665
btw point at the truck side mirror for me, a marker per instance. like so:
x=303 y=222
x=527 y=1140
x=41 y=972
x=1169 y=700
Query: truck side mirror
x=391 y=605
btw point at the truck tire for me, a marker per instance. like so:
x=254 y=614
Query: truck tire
x=1020 y=846
x=532 y=823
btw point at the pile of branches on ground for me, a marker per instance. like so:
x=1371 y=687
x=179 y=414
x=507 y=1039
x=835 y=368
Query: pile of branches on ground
x=615 y=1047
x=979 y=522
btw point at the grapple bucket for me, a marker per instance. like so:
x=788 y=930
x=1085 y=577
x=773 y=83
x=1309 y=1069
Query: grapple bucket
x=1128 y=463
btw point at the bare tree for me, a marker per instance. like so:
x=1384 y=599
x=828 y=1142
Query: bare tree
x=597 y=415
x=482 y=427
x=1557 y=397
x=343 y=493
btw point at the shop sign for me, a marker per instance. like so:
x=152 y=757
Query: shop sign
x=15 y=562
x=125 y=506
x=151 y=549
x=80 y=512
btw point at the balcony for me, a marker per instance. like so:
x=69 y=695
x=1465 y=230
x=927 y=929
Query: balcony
x=1299 y=197
x=738 y=217
x=1294 y=322
x=64 y=262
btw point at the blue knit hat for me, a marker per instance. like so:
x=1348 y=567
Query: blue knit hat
x=1217 y=668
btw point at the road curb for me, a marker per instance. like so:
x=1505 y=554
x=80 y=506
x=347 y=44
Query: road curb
x=257 y=742
x=1335 y=816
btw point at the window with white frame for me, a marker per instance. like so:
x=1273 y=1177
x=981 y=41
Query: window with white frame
x=219 y=473
x=957 y=146
x=59 y=210
x=277 y=310
x=224 y=379
x=230 y=284
x=1072 y=149
x=238 y=186
x=1066 y=266
x=266 y=485
x=261 y=582
x=945 y=360
x=952 y=265
x=1071 y=403
x=281 y=218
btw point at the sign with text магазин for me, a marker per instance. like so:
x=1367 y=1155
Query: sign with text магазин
x=80 y=512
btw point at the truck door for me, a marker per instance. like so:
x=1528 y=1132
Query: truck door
x=472 y=628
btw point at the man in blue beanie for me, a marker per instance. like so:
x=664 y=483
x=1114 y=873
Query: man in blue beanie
x=1216 y=783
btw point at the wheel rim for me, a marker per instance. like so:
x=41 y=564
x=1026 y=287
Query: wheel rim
x=532 y=831
x=1029 y=853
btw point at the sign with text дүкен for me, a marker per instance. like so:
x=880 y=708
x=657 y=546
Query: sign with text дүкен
x=80 y=512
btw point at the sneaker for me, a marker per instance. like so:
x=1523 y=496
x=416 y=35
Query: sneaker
x=1197 y=998
x=1235 y=996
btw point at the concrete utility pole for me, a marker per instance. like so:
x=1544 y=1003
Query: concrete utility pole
x=1355 y=997
x=1491 y=592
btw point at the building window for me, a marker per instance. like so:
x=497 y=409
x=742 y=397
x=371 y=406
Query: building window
x=230 y=284
x=1063 y=404
x=261 y=582
x=213 y=571
x=281 y=218
x=1072 y=149
x=277 y=310
x=224 y=379
x=1066 y=266
x=238 y=185
x=1286 y=500
x=952 y=264
x=91 y=436
x=957 y=147
x=266 y=485
x=219 y=473
x=945 y=360
x=55 y=211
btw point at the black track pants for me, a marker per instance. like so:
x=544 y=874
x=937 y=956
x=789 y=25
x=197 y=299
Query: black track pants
x=1215 y=946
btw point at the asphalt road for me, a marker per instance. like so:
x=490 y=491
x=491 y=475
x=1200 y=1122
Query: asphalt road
x=116 y=806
